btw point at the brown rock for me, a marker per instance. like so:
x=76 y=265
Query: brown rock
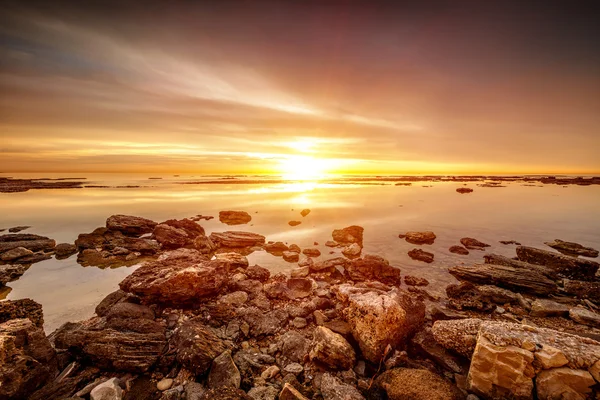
x=305 y=212
x=223 y=372
x=294 y=223
x=311 y=252
x=234 y=217
x=130 y=225
x=426 y=237
x=196 y=346
x=22 y=308
x=421 y=255
x=331 y=349
x=349 y=235
x=372 y=267
x=548 y=308
x=572 y=249
x=257 y=272
x=235 y=260
x=170 y=237
x=550 y=357
x=329 y=264
x=14 y=254
x=225 y=394
x=290 y=393
x=564 y=383
x=291 y=256
x=416 y=384
x=583 y=289
x=26 y=240
x=464 y=190
x=64 y=250
x=9 y=273
x=333 y=388
x=236 y=239
x=20 y=228
x=459 y=250
x=457 y=335
x=415 y=281
x=585 y=316
x=565 y=266
x=473 y=244
x=276 y=248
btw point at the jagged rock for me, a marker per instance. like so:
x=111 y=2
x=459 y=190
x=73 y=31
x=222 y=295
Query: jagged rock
x=459 y=250
x=107 y=390
x=372 y=267
x=457 y=335
x=64 y=250
x=415 y=281
x=311 y=252
x=327 y=265
x=572 y=249
x=550 y=357
x=9 y=273
x=28 y=241
x=236 y=239
x=170 y=237
x=299 y=288
x=510 y=242
x=424 y=343
x=27 y=359
x=583 y=289
x=204 y=244
x=505 y=276
x=22 y=308
x=349 y=235
x=249 y=359
x=223 y=372
x=482 y=298
x=290 y=393
x=548 y=308
x=333 y=388
x=132 y=317
x=509 y=262
x=65 y=386
x=234 y=260
x=110 y=300
x=421 y=255
x=291 y=256
x=113 y=240
x=14 y=254
x=177 y=280
x=234 y=217
x=332 y=349
x=352 y=250
x=262 y=323
x=585 y=316
x=564 y=383
x=252 y=287
x=122 y=348
x=426 y=237
x=257 y=272
x=294 y=346
x=473 y=244
x=379 y=319
x=263 y=393
x=196 y=346
x=416 y=384
x=130 y=225
x=565 y=266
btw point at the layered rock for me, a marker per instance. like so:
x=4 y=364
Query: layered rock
x=421 y=255
x=473 y=244
x=371 y=267
x=22 y=308
x=426 y=237
x=9 y=273
x=130 y=225
x=236 y=239
x=572 y=249
x=583 y=289
x=565 y=266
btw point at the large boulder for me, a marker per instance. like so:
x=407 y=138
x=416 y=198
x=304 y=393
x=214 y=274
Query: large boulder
x=565 y=266
x=378 y=319
x=236 y=239
x=416 y=384
x=22 y=308
x=27 y=359
x=332 y=349
x=373 y=268
x=180 y=279
x=196 y=346
x=173 y=233
x=130 y=225
x=349 y=235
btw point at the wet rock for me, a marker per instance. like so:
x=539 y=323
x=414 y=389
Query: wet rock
x=572 y=249
x=349 y=235
x=177 y=281
x=473 y=244
x=130 y=225
x=331 y=349
x=518 y=279
x=22 y=308
x=585 y=316
x=295 y=248
x=333 y=388
x=223 y=372
x=196 y=346
x=170 y=237
x=582 y=289
x=380 y=319
x=27 y=359
x=111 y=241
x=291 y=256
x=372 y=267
x=236 y=239
x=352 y=250
x=426 y=237
x=64 y=250
x=548 y=308
x=290 y=393
x=459 y=250
x=464 y=190
x=14 y=254
x=415 y=281
x=421 y=255
x=234 y=217
x=416 y=384
x=276 y=248
x=311 y=252
x=9 y=273
x=294 y=223
x=234 y=260
x=28 y=241
x=20 y=228
x=564 y=383
x=107 y=390
x=507 y=242
x=257 y=272
x=565 y=266
x=294 y=346
x=457 y=335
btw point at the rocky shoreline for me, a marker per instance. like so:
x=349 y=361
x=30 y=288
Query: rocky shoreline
x=196 y=321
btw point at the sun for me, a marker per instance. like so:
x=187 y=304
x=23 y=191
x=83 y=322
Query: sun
x=304 y=168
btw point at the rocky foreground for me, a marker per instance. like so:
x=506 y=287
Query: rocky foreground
x=196 y=321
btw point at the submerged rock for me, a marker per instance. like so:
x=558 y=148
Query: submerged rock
x=426 y=237
x=64 y=250
x=473 y=244
x=234 y=217
x=572 y=249
x=28 y=241
x=421 y=255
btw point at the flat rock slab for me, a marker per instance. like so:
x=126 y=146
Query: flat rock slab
x=565 y=266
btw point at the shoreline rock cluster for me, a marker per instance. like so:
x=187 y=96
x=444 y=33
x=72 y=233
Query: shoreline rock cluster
x=197 y=321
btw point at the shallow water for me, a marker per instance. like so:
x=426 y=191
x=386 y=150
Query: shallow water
x=528 y=214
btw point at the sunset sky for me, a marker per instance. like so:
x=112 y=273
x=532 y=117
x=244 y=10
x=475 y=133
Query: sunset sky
x=267 y=87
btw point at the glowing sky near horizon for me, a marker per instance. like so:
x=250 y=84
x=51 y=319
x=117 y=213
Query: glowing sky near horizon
x=252 y=87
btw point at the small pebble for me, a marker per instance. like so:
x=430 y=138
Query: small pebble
x=164 y=384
